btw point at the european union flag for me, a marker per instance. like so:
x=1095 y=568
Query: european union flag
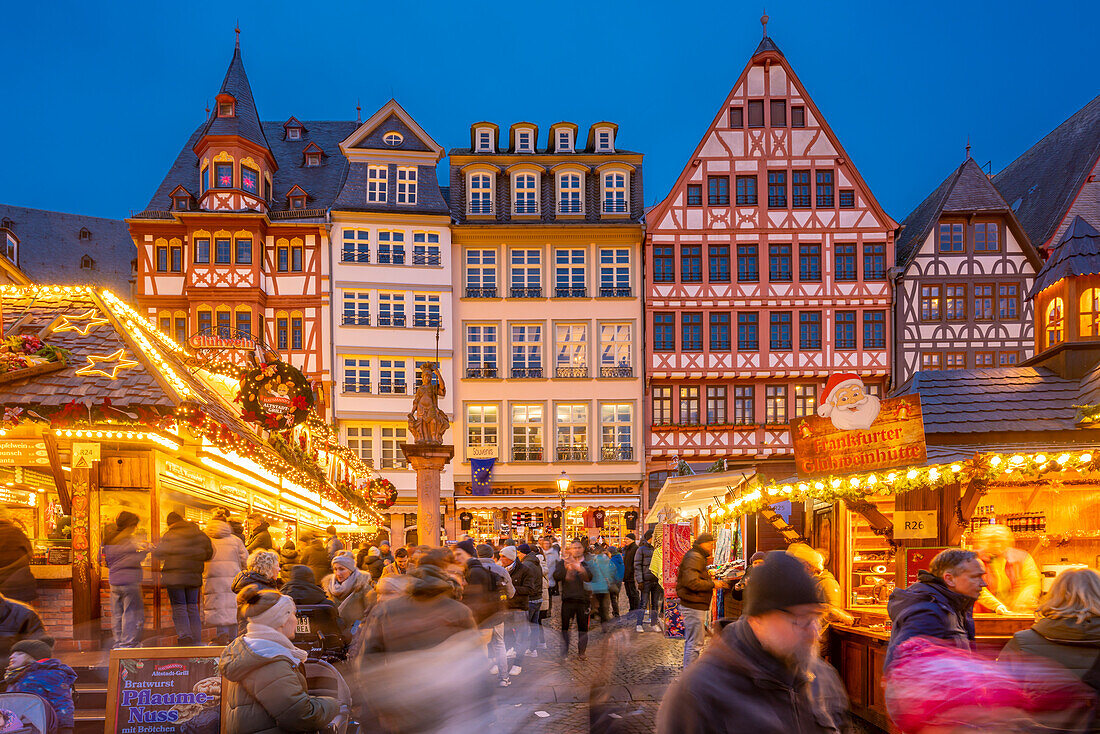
x=481 y=477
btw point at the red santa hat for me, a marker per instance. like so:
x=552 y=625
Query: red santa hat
x=843 y=379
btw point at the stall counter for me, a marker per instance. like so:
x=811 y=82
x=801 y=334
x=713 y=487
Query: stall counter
x=52 y=571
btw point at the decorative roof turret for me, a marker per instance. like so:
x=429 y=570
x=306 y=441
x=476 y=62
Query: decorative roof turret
x=235 y=112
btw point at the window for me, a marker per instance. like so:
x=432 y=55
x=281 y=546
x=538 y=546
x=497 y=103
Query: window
x=162 y=258
x=481 y=273
x=930 y=303
x=756 y=113
x=223 y=175
x=746 y=191
x=377 y=180
x=737 y=117
x=204 y=180
x=223 y=251
x=181 y=329
x=356 y=374
x=874 y=329
x=282 y=332
x=951 y=237
x=748 y=266
x=809 y=330
x=406 y=185
x=527 y=432
x=955 y=303
x=250 y=180
x=392 y=139
x=984 y=359
x=845 y=330
x=798 y=116
x=664 y=333
x=780 y=333
x=391 y=376
x=571 y=350
x=526 y=273
x=662 y=406
x=691 y=332
x=748 y=332
x=603 y=141
x=426 y=310
x=1055 y=322
x=481 y=425
x=716 y=405
x=983 y=302
x=391 y=248
x=778 y=113
x=718 y=190
x=481 y=350
x=955 y=360
x=695 y=195
x=565 y=141
x=1007 y=359
x=800 y=189
x=663 y=267
x=930 y=361
x=569 y=274
x=744 y=409
x=282 y=259
x=523 y=141
x=224 y=323
x=572 y=432
x=296 y=333
x=225 y=109
x=689 y=405
x=615 y=273
x=847 y=199
x=805 y=400
x=357 y=308
x=825 y=189
x=720 y=331
x=809 y=263
x=176 y=264
x=1090 y=311
x=392 y=455
x=615 y=345
x=297 y=255
x=779 y=263
x=691 y=264
x=525 y=194
x=484 y=140
x=359 y=438
x=845 y=257
x=426 y=249
x=874 y=262
x=391 y=309
x=777 y=189
x=569 y=194
x=616 y=426
x=481 y=193
x=775 y=404
x=719 y=263
x=297 y=202
x=987 y=237
x=294 y=133
x=527 y=350
x=1008 y=301
x=614 y=192
x=244 y=252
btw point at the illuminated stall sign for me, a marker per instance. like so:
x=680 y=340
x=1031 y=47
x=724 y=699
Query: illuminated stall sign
x=16 y=452
x=166 y=689
x=277 y=396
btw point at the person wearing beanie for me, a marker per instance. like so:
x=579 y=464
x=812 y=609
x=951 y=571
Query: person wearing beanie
x=262 y=569
x=386 y=551
x=484 y=595
x=630 y=550
x=123 y=555
x=182 y=551
x=827 y=586
x=372 y=563
x=763 y=671
x=695 y=588
x=515 y=626
x=738 y=589
x=266 y=690
x=536 y=576
x=33 y=669
x=333 y=544
x=312 y=553
x=652 y=595
x=348 y=587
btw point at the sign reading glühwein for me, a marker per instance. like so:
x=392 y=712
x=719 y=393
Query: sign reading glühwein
x=856 y=432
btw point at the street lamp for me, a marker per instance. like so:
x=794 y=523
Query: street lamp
x=563 y=492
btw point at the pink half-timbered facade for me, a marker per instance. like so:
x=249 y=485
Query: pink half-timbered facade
x=766 y=272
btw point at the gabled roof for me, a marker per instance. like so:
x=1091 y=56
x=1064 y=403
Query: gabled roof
x=1043 y=183
x=1077 y=253
x=245 y=123
x=369 y=134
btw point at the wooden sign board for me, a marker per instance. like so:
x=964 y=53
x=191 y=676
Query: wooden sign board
x=916 y=560
x=23 y=452
x=84 y=454
x=159 y=689
x=894 y=439
x=915 y=524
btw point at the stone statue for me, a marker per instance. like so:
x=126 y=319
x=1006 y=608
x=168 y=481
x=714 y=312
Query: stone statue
x=427 y=423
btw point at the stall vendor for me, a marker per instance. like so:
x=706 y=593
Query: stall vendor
x=828 y=590
x=1013 y=581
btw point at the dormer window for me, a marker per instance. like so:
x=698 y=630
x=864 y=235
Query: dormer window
x=294 y=133
x=569 y=193
x=9 y=247
x=6 y=223
x=87 y=263
x=296 y=197
x=524 y=142
x=481 y=193
x=614 y=192
x=1055 y=322
x=393 y=139
x=603 y=141
x=484 y=140
x=525 y=193
x=313 y=159
x=377 y=178
x=250 y=180
x=85 y=234
x=226 y=109
x=181 y=203
x=565 y=141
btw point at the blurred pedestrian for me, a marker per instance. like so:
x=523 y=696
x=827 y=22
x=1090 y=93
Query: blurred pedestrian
x=618 y=574
x=123 y=555
x=940 y=604
x=630 y=550
x=288 y=556
x=1013 y=582
x=18 y=621
x=515 y=626
x=599 y=564
x=259 y=534
x=361 y=554
x=827 y=587
x=695 y=589
x=763 y=673
x=572 y=576
x=312 y=553
x=491 y=560
x=16 y=580
x=333 y=544
x=261 y=570
x=650 y=586
x=183 y=551
x=373 y=564
x=386 y=552
x=552 y=556
x=303 y=587
x=400 y=565
x=33 y=669
x=348 y=587
x=536 y=582
x=738 y=589
x=219 y=603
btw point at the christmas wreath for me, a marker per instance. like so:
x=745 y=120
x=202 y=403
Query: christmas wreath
x=382 y=492
x=276 y=395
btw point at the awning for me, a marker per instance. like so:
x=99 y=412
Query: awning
x=695 y=492
x=610 y=502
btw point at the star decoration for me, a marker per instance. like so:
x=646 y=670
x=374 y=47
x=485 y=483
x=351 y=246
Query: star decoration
x=91 y=319
x=121 y=361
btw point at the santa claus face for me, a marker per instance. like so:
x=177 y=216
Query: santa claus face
x=853 y=408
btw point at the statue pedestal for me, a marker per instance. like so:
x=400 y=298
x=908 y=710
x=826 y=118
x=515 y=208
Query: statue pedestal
x=428 y=460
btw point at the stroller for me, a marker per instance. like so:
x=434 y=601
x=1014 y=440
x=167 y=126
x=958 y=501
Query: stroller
x=324 y=680
x=320 y=633
x=34 y=712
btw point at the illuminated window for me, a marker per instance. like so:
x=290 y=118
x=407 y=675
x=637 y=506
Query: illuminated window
x=223 y=175
x=775 y=404
x=392 y=139
x=805 y=400
x=1055 y=322
x=359 y=440
x=930 y=303
x=406 y=185
x=250 y=180
x=392 y=455
x=377 y=178
x=482 y=425
x=1090 y=312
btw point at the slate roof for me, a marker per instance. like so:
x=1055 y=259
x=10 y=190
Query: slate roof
x=767 y=44
x=1077 y=253
x=353 y=194
x=245 y=122
x=50 y=248
x=1049 y=174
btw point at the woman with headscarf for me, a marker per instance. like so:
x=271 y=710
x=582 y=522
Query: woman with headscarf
x=348 y=588
x=219 y=603
x=262 y=570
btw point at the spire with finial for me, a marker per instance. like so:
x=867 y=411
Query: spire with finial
x=237 y=30
x=358 y=112
x=967 y=147
x=764 y=23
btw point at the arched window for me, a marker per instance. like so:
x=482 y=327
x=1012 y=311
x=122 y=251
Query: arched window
x=1090 y=312
x=614 y=192
x=526 y=194
x=569 y=194
x=1055 y=322
x=481 y=193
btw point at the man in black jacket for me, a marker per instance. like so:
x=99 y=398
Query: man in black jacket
x=571 y=574
x=528 y=585
x=183 y=551
x=763 y=674
x=695 y=587
x=18 y=622
x=630 y=550
x=648 y=582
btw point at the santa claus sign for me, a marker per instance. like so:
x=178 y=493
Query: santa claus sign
x=855 y=431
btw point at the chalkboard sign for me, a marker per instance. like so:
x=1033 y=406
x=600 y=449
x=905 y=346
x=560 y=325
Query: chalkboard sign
x=59 y=556
x=167 y=689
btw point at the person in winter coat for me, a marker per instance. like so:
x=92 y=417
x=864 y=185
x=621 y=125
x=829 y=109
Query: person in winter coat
x=1068 y=629
x=762 y=674
x=182 y=551
x=599 y=564
x=261 y=570
x=33 y=669
x=527 y=584
x=266 y=691
x=629 y=551
x=333 y=544
x=219 y=603
x=288 y=556
x=259 y=537
x=940 y=604
x=648 y=584
x=18 y=622
x=348 y=588
x=303 y=587
x=695 y=588
x=537 y=574
x=618 y=568
x=400 y=565
x=387 y=552
x=123 y=556
x=372 y=563
x=572 y=576
x=312 y=553
x=551 y=555
x=16 y=580
x=827 y=586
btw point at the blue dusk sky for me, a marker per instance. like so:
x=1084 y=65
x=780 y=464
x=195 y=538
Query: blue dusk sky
x=100 y=97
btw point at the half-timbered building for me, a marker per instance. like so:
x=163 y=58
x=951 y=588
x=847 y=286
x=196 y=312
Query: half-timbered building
x=766 y=272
